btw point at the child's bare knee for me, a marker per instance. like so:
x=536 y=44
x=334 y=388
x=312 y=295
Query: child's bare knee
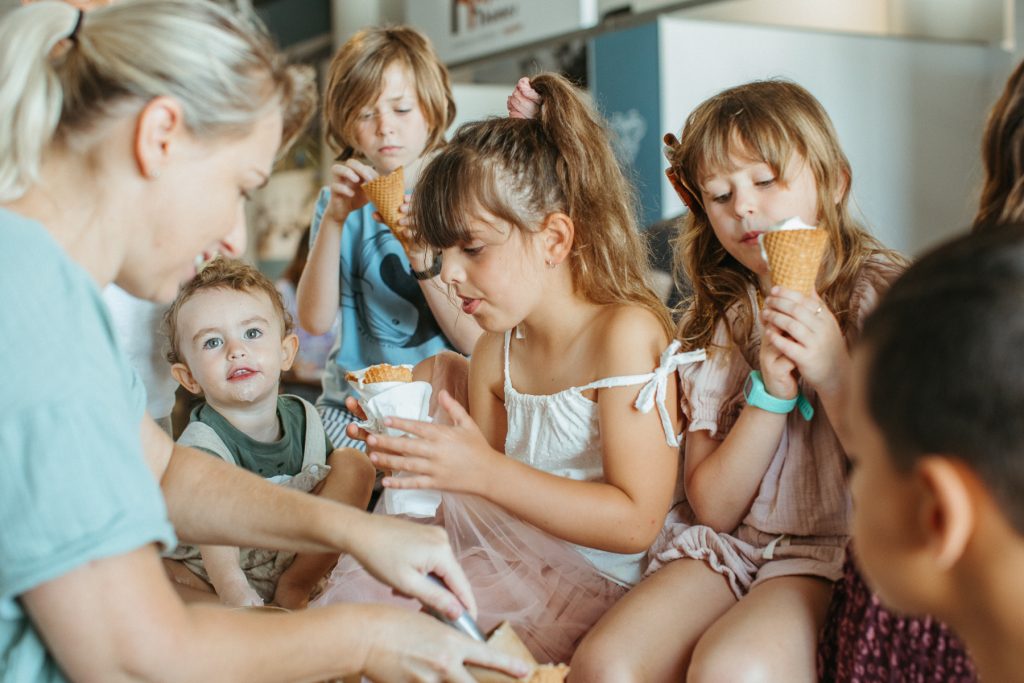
x=726 y=662
x=596 y=661
x=351 y=463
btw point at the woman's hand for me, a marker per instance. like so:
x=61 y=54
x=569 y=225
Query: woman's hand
x=448 y=458
x=347 y=194
x=804 y=330
x=401 y=554
x=406 y=646
x=524 y=102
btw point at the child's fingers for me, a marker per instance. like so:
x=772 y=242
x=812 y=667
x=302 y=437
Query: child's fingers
x=789 y=349
x=353 y=431
x=785 y=322
x=343 y=190
x=363 y=172
x=401 y=445
x=455 y=410
x=414 y=427
x=804 y=307
x=409 y=481
x=352 y=405
x=344 y=173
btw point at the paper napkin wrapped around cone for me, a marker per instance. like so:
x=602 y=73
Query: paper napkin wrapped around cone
x=380 y=399
x=794 y=252
x=505 y=639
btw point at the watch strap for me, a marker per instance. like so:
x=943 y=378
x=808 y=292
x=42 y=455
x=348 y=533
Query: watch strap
x=758 y=396
x=430 y=273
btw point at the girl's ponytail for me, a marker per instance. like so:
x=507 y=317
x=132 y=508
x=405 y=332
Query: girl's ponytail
x=31 y=96
x=521 y=170
x=611 y=256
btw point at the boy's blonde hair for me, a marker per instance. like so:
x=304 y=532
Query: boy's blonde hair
x=221 y=68
x=522 y=170
x=222 y=273
x=356 y=76
x=769 y=121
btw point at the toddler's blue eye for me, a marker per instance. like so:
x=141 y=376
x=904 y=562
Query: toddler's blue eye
x=253 y=333
x=212 y=343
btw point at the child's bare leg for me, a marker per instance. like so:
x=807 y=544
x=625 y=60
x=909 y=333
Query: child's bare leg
x=190 y=588
x=350 y=481
x=649 y=634
x=770 y=635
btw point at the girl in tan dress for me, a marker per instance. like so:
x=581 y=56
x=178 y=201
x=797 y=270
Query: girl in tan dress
x=746 y=562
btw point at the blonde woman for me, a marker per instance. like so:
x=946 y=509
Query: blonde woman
x=129 y=139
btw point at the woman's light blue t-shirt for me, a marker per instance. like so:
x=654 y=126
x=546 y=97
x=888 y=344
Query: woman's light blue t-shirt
x=384 y=315
x=74 y=486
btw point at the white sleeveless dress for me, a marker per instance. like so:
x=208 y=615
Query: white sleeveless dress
x=550 y=590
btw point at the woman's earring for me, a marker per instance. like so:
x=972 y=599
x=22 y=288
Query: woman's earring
x=550 y=264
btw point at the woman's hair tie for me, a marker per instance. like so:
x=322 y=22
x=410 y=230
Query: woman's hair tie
x=73 y=36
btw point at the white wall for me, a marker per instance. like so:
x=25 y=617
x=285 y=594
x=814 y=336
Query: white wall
x=909 y=113
x=475 y=102
x=854 y=16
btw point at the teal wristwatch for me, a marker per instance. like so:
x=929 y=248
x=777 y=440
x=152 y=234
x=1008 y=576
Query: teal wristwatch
x=758 y=396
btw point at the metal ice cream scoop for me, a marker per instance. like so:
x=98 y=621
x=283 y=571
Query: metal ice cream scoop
x=463 y=622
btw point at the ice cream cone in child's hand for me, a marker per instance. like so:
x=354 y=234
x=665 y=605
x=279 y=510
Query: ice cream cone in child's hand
x=386 y=391
x=383 y=372
x=794 y=252
x=505 y=639
x=388 y=193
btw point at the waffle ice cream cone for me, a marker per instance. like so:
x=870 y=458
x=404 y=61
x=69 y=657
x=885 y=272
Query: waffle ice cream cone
x=381 y=373
x=505 y=639
x=794 y=257
x=387 y=193
x=550 y=673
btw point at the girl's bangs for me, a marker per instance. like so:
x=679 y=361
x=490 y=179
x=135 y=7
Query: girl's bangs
x=443 y=200
x=740 y=135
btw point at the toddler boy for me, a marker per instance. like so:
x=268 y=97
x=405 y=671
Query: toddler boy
x=230 y=340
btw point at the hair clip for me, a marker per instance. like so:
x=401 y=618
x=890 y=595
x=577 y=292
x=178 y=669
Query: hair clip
x=680 y=189
x=671 y=142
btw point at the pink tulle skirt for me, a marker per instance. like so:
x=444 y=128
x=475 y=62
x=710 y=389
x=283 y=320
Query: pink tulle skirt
x=540 y=584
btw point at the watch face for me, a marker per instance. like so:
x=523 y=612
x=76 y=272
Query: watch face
x=748 y=386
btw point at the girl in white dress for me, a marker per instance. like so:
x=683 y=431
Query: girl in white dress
x=559 y=476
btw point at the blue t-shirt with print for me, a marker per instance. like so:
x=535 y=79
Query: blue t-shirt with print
x=384 y=315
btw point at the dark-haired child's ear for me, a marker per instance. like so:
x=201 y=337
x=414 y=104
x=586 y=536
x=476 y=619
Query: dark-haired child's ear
x=947 y=512
x=181 y=373
x=289 y=349
x=558 y=232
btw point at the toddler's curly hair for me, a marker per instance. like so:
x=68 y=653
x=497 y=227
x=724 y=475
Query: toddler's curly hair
x=222 y=273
